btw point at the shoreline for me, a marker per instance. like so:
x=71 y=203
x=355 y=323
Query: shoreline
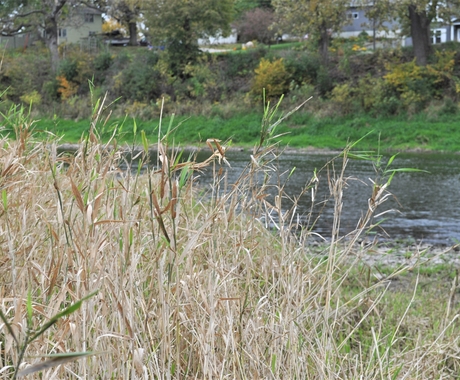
x=72 y=147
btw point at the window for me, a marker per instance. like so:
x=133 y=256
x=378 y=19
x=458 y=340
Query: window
x=438 y=36
x=62 y=32
x=92 y=34
x=89 y=17
x=353 y=16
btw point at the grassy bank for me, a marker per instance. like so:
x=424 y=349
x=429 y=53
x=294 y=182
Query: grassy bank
x=420 y=132
x=191 y=284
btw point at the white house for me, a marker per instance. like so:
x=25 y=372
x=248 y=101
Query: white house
x=84 y=23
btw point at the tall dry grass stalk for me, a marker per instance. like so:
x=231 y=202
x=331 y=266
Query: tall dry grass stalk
x=189 y=286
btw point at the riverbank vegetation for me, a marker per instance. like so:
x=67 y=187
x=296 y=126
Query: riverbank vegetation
x=435 y=131
x=190 y=282
x=410 y=106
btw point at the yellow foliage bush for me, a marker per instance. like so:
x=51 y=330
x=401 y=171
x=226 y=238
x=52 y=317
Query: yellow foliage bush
x=419 y=84
x=66 y=89
x=31 y=97
x=342 y=96
x=271 y=76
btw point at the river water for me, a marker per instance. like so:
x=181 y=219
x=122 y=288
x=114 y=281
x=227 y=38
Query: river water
x=426 y=204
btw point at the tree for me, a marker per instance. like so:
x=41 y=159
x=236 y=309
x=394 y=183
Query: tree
x=378 y=12
x=416 y=18
x=420 y=21
x=317 y=18
x=242 y=6
x=178 y=24
x=255 y=25
x=41 y=17
x=127 y=13
x=418 y=15
x=34 y=16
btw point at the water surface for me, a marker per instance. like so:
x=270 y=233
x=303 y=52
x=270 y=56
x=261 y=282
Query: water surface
x=427 y=204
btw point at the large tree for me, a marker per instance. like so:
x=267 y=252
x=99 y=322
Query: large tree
x=127 y=13
x=417 y=16
x=178 y=24
x=255 y=24
x=41 y=17
x=415 y=19
x=36 y=16
x=317 y=18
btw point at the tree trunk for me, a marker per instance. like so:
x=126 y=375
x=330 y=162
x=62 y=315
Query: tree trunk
x=51 y=41
x=51 y=31
x=420 y=33
x=324 y=39
x=132 y=26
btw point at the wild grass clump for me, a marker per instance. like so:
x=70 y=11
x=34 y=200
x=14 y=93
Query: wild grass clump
x=189 y=281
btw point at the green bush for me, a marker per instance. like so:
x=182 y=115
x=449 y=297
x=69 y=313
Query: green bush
x=103 y=61
x=303 y=66
x=202 y=81
x=69 y=69
x=140 y=79
x=23 y=73
x=373 y=95
x=324 y=83
x=242 y=64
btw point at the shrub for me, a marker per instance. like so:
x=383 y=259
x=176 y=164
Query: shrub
x=68 y=69
x=103 y=61
x=299 y=93
x=255 y=25
x=342 y=96
x=417 y=85
x=242 y=64
x=23 y=73
x=140 y=79
x=302 y=66
x=271 y=76
x=324 y=82
x=66 y=89
x=32 y=97
x=449 y=107
x=50 y=90
x=202 y=81
x=371 y=92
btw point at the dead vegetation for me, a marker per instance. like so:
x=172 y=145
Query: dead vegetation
x=195 y=286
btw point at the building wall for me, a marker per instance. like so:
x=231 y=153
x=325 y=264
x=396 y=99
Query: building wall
x=359 y=22
x=80 y=27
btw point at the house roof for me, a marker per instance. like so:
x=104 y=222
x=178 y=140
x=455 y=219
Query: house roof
x=90 y=10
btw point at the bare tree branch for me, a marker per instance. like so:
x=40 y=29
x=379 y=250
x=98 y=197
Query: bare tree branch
x=12 y=32
x=21 y=15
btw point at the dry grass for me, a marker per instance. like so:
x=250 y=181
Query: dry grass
x=191 y=286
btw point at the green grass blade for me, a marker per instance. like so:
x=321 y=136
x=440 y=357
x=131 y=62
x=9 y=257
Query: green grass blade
x=30 y=309
x=71 y=309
